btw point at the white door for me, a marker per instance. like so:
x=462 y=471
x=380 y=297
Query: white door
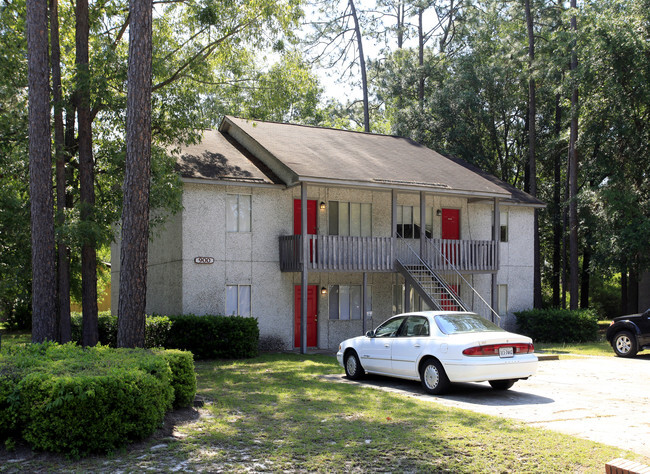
x=375 y=352
x=408 y=346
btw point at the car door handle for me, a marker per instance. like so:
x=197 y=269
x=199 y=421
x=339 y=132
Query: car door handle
x=386 y=345
x=416 y=345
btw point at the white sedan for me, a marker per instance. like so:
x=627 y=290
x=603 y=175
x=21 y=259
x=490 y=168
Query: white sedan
x=439 y=347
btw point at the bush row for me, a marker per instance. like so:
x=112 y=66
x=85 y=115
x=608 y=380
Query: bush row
x=559 y=325
x=211 y=336
x=76 y=401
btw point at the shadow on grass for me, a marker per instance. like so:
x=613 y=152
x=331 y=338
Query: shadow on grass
x=290 y=410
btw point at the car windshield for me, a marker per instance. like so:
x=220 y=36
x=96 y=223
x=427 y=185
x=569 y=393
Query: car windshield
x=464 y=323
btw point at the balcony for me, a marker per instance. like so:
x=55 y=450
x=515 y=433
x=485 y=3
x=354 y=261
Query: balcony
x=378 y=254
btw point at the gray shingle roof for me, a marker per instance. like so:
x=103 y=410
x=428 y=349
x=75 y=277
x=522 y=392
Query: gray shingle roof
x=362 y=158
x=218 y=156
x=250 y=151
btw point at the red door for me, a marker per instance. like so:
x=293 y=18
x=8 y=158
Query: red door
x=312 y=316
x=311 y=222
x=451 y=231
x=311 y=216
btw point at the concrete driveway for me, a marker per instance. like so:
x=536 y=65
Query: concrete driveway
x=604 y=399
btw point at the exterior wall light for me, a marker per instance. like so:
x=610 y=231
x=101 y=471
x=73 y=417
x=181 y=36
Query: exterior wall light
x=322 y=206
x=323 y=291
x=438 y=212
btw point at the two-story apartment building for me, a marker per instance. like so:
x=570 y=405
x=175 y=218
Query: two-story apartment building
x=322 y=234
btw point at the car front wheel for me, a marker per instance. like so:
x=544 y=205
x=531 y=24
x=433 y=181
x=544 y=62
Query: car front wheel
x=502 y=384
x=353 y=368
x=433 y=377
x=624 y=344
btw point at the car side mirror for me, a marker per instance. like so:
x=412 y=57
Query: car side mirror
x=370 y=334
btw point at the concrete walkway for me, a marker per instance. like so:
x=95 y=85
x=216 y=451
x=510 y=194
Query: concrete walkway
x=604 y=399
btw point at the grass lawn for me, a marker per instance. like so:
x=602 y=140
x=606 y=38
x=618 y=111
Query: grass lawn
x=274 y=413
x=602 y=348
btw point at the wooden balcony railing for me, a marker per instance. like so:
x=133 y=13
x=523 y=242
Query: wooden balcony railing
x=378 y=254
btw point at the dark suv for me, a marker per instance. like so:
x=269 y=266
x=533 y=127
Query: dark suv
x=630 y=334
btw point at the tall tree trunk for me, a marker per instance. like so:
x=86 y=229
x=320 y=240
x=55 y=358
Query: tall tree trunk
x=40 y=175
x=624 y=285
x=362 y=65
x=400 y=24
x=135 y=212
x=532 y=163
x=86 y=177
x=63 y=255
x=585 y=277
x=633 y=289
x=557 y=208
x=573 y=168
x=420 y=60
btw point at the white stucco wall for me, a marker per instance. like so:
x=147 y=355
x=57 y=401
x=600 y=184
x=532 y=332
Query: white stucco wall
x=178 y=285
x=517 y=261
x=164 y=271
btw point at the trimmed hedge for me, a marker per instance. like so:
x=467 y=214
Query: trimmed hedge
x=156 y=329
x=207 y=337
x=559 y=325
x=183 y=379
x=76 y=401
x=211 y=336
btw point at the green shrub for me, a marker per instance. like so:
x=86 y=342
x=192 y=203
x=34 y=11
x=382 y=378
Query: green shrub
x=211 y=336
x=155 y=332
x=183 y=378
x=78 y=401
x=558 y=325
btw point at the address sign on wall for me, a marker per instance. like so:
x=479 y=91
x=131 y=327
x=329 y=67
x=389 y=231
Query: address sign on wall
x=204 y=260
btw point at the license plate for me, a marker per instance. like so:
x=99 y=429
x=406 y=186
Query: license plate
x=506 y=352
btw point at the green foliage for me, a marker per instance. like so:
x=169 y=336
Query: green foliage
x=183 y=379
x=605 y=295
x=211 y=336
x=559 y=325
x=78 y=401
x=155 y=331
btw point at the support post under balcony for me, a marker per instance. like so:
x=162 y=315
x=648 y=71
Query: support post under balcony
x=305 y=262
x=496 y=236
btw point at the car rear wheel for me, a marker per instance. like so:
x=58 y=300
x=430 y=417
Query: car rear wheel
x=502 y=384
x=353 y=368
x=624 y=344
x=434 y=378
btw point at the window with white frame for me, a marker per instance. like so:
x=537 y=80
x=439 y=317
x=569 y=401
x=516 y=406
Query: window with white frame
x=345 y=301
x=502 y=300
x=238 y=212
x=504 y=226
x=238 y=300
x=350 y=218
x=408 y=221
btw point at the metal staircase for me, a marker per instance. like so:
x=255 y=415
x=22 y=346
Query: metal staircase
x=439 y=293
x=431 y=288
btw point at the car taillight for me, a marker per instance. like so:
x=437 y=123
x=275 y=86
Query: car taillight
x=493 y=349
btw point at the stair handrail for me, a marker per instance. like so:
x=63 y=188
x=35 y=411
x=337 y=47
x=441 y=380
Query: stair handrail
x=444 y=284
x=496 y=318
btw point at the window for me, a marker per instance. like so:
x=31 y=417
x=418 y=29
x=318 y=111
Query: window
x=238 y=212
x=502 y=299
x=238 y=300
x=415 y=301
x=350 y=218
x=345 y=302
x=408 y=222
x=504 y=226
x=415 y=326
